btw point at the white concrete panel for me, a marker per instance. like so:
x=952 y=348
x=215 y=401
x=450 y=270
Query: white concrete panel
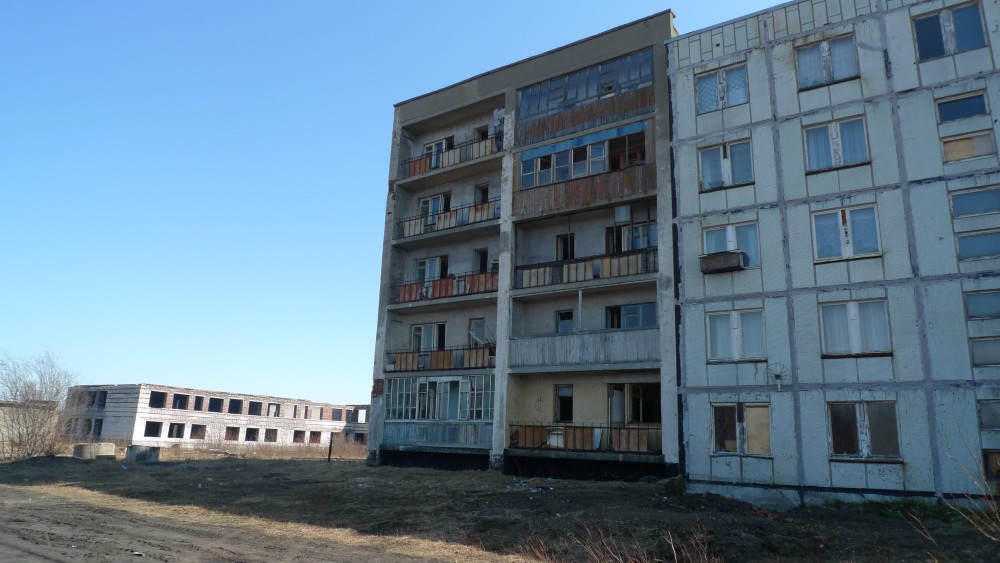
x=698 y=427
x=848 y=474
x=904 y=327
x=921 y=146
x=807 y=339
x=726 y=467
x=958 y=436
x=722 y=375
x=760 y=95
x=783 y=439
x=815 y=440
x=800 y=246
x=683 y=92
x=758 y=469
x=785 y=81
x=831 y=273
x=931 y=210
x=792 y=159
x=902 y=53
x=840 y=370
x=871 y=370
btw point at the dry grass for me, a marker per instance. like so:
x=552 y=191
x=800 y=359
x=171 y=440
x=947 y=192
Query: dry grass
x=599 y=543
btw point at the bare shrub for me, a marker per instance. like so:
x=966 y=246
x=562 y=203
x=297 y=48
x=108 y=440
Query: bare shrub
x=33 y=406
x=598 y=544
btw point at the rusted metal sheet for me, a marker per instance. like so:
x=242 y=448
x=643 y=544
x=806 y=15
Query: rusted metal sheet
x=585 y=192
x=608 y=110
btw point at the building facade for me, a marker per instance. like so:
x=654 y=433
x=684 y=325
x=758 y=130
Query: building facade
x=159 y=415
x=772 y=266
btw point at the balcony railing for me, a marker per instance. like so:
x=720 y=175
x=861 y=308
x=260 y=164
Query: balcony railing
x=582 y=269
x=610 y=438
x=465 y=152
x=453 y=285
x=460 y=357
x=466 y=434
x=587 y=348
x=444 y=220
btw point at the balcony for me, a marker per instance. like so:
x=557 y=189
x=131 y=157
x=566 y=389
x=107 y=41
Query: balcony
x=721 y=262
x=583 y=269
x=617 y=186
x=461 y=153
x=460 y=357
x=451 y=219
x=459 y=434
x=454 y=285
x=632 y=346
x=613 y=438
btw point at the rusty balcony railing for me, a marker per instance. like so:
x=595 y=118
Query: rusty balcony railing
x=452 y=285
x=456 y=357
x=590 y=268
x=464 y=152
x=450 y=219
x=645 y=438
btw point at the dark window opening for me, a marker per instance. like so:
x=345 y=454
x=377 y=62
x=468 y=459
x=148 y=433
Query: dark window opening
x=199 y=403
x=86 y=427
x=153 y=429
x=255 y=408
x=315 y=437
x=565 y=247
x=214 y=405
x=844 y=428
x=482 y=257
x=102 y=399
x=235 y=406
x=564 y=403
x=564 y=322
x=251 y=435
x=232 y=433
x=198 y=431
x=627 y=151
x=337 y=414
x=271 y=435
x=157 y=399
x=180 y=402
x=644 y=403
x=725 y=428
x=273 y=409
x=176 y=430
x=98 y=427
x=299 y=437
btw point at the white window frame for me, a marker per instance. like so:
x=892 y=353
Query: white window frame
x=735 y=338
x=826 y=62
x=846 y=233
x=960 y=236
x=431 y=207
x=836 y=148
x=950 y=99
x=968 y=314
x=721 y=86
x=732 y=242
x=948 y=31
x=741 y=431
x=856 y=346
x=972 y=357
x=987 y=134
x=725 y=165
x=863 y=430
x=954 y=195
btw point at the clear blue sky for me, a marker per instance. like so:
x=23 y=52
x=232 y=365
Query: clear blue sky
x=192 y=192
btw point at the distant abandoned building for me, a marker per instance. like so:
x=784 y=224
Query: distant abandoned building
x=158 y=415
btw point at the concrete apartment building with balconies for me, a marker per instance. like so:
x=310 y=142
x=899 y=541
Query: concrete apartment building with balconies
x=767 y=260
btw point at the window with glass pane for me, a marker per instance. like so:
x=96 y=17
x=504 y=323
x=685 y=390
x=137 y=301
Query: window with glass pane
x=751 y=334
x=883 y=433
x=873 y=327
x=818 y=153
x=726 y=165
x=844 y=429
x=827 y=62
x=975 y=203
x=950 y=31
x=836 y=332
x=986 y=352
x=989 y=414
x=747 y=241
x=982 y=305
x=722 y=88
x=711 y=168
x=853 y=145
x=716 y=240
x=737 y=87
x=579 y=162
x=720 y=337
x=708 y=93
x=598 y=159
x=844 y=62
x=837 y=144
x=810 y=66
x=855 y=328
x=528 y=174
x=562 y=166
x=950 y=110
x=968 y=28
x=845 y=233
x=978 y=245
x=724 y=417
x=736 y=335
x=741 y=162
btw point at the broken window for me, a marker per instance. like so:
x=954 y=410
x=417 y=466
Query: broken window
x=426 y=338
x=565 y=247
x=214 y=405
x=199 y=403
x=564 y=403
x=726 y=165
x=153 y=429
x=846 y=233
x=198 y=431
x=98 y=428
x=978 y=202
x=176 y=430
x=564 y=322
x=950 y=31
x=235 y=406
x=732 y=238
x=722 y=89
x=315 y=437
x=972 y=246
x=251 y=434
x=180 y=402
x=833 y=145
x=959 y=108
x=299 y=437
x=627 y=151
x=736 y=335
x=436 y=151
x=743 y=429
x=157 y=399
x=255 y=408
x=639 y=315
x=634 y=403
x=826 y=62
x=481 y=257
x=232 y=433
x=855 y=327
x=969 y=145
x=864 y=429
x=613 y=149
x=270 y=434
x=91 y=398
x=625 y=238
x=274 y=409
x=463 y=398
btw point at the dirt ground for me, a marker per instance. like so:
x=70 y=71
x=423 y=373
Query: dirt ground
x=63 y=509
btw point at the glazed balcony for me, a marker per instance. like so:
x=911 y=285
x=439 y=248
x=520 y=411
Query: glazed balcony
x=606 y=438
x=604 y=266
x=464 y=152
x=451 y=219
x=640 y=347
x=453 y=285
x=459 y=357
x=608 y=188
x=447 y=433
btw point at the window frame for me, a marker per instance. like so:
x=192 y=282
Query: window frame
x=854 y=329
x=863 y=432
x=619 y=313
x=965 y=96
x=726 y=164
x=969 y=234
x=987 y=133
x=732 y=241
x=557 y=414
x=946 y=27
x=972 y=356
x=721 y=85
x=965 y=302
x=826 y=62
x=836 y=144
x=741 y=431
x=953 y=195
x=845 y=232
x=736 y=326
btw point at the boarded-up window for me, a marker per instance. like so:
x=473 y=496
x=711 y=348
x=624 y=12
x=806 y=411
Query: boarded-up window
x=758 y=429
x=969 y=146
x=743 y=429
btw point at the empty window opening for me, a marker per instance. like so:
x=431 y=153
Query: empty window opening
x=235 y=406
x=634 y=403
x=176 y=430
x=743 y=429
x=199 y=403
x=198 y=431
x=640 y=315
x=157 y=399
x=273 y=409
x=337 y=414
x=564 y=322
x=315 y=437
x=295 y=411
x=564 y=403
x=180 y=402
x=91 y=398
x=255 y=408
x=153 y=429
x=305 y=412
x=214 y=405
x=98 y=428
x=270 y=434
x=565 y=247
x=86 y=426
x=102 y=399
x=299 y=437
x=251 y=435
x=232 y=433
x=948 y=32
x=483 y=193
x=482 y=260
x=320 y=417
x=991 y=465
x=627 y=151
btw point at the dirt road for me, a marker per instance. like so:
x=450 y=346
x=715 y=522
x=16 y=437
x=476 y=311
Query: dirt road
x=59 y=523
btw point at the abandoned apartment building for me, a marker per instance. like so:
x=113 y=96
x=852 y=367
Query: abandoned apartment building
x=159 y=415
x=763 y=255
